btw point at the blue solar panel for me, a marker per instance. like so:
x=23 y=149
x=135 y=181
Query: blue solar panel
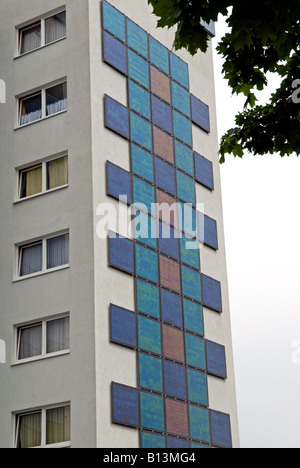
x=179 y=70
x=186 y=188
x=195 y=351
x=168 y=241
x=138 y=69
x=118 y=182
x=193 y=317
x=220 y=429
x=176 y=443
x=114 y=21
x=204 y=171
x=190 y=251
x=139 y=99
x=210 y=232
x=137 y=38
x=141 y=131
x=142 y=163
x=121 y=254
x=114 y=53
x=159 y=55
x=199 y=423
x=152 y=412
x=116 y=117
x=200 y=114
x=123 y=326
x=151 y=441
x=216 y=359
x=171 y=308
x=165 y=176
x=181 y=99
x=147 y=298
x=175 y=380
x=162 y=114
x=184 y=158
x=125 y=405
x=191 y=284
x=197 y=387
x=150 y=372
x=182 y=128
x=212 y=296
x=143 y=194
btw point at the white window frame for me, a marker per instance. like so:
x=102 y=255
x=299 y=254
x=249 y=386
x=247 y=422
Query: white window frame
x=44 y=270
x=42 y=90
x=41 y=163
x=44 y=355
x=43 y=412
x=42 y=20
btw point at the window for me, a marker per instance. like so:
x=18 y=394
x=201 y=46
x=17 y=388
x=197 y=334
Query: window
x=44 y=427
x=43 y=177
x=43 y=255
x=43 y=338
x=42 y=32
x=46 y=102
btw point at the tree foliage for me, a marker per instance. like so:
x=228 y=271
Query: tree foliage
x=263 y=37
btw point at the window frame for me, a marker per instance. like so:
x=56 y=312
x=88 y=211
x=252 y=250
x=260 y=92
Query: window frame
x=40 y=91
x=45 y=270
x=44 y=164
x=42 y=21
x=43 y=322
x=43 y=412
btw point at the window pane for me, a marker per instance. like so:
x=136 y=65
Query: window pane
x=31 y=182
x=31 y=259
x=58 y=425
x=30 y=38
x=57 y=173
x=58 y=251
x=31 y=109
x=58 y=335
x=56 y=99
x=55 y=27
x=30 y=342
x=29 y=430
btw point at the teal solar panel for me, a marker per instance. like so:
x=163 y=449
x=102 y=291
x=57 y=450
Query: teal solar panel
x=149 y=335
x=150 y=372
x=182 y=128
x=143 y=195
x=159 y=55
x=193 y=317
x=147 y=298
x=152 y=412
x=142 y=163
x=179 y=70
x=114 y=21
x=181 y=99
x=195 y=351
x=145 y=229
x=146 y=263
x=138 y=69
x=151 y=441
x=141 y=131
x=197 y=387
x=184 y=158
x=186 y=188
x=188 y=219
x=190 y=251
x=199 y=423
x=139 y=100
x=191 y=284
x=137 y=38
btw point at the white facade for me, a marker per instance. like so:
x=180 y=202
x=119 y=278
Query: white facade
x=86 y=287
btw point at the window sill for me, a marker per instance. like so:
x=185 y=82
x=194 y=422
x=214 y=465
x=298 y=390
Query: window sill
x=18 y=56
x=21 y=200
x=40 y=120
x=40 y=358
x=41 y=273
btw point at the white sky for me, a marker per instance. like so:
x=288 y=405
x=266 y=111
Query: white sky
x=261 y=198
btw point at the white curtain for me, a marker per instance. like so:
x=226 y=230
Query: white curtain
x=58 y=425
x=30 y=342
x=56 y=107
x=58 y=251
x=58 y=335
x=30 y=38
x=31 y=117
x=55 y=27
x=29 y=430
x=31 y=259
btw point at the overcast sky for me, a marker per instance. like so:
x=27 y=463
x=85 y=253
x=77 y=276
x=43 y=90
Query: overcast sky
x=261 y=197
